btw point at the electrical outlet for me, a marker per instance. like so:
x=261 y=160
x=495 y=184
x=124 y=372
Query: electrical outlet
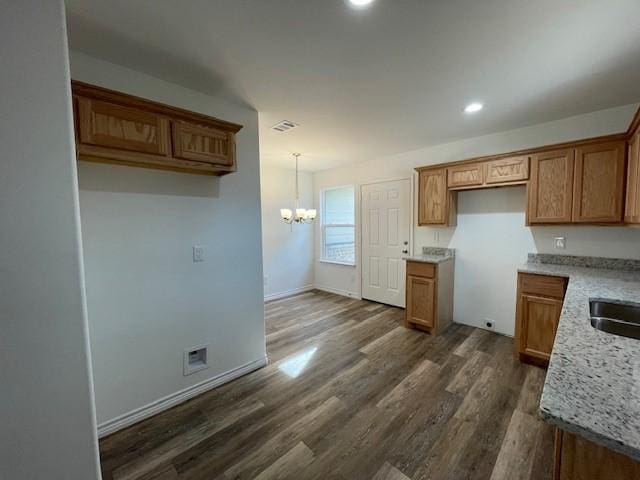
x=559 y=243
x=436 y=237
x=489 y=323
x=198 y=253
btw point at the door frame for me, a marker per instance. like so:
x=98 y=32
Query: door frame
x=359 y=219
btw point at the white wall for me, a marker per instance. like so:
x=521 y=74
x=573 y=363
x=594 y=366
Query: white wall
x=490 y=238
x=287 y=250
x=47 y=417
x=147 y=300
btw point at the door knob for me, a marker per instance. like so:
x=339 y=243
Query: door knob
x=405 y=251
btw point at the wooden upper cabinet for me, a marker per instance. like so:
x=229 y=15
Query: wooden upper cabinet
x=507 y=170
x=632 y=211
x=112 y=127
x=434 y=198
x=467 y=175
x=202 y=144
x=550 y=193
x=599 y=178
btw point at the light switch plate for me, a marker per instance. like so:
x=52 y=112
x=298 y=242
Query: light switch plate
x=198 y=253
x=559 y=243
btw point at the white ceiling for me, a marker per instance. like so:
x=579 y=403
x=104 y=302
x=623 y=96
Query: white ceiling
x=388 y=79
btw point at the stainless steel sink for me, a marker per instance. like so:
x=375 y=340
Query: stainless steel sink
x=615 y=317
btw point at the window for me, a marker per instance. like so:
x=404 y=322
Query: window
x=338 y=225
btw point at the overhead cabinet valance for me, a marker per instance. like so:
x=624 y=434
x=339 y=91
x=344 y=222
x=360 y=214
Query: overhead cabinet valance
x=113 y=127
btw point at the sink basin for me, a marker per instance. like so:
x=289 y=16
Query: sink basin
x=616 y=317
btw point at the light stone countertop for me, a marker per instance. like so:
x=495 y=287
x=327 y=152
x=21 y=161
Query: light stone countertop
x=429 y=258
x=592 y=387
x=433 y=255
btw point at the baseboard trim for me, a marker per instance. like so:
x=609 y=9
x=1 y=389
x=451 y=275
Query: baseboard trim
x=337 y=291
x=288 y=293
x=153 y=408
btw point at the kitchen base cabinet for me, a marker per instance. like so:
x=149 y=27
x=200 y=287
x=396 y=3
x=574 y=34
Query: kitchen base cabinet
x=539 y=304
x=429 y=296
x=577 y=458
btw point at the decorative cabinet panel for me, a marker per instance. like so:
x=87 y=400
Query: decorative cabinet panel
x=113 y=127
x=538 y=310
x=550 y=197
x=598 y=192
x=202 y=144
x=577 y=458
x=507 y=170
x=466 y=175
x=429 y=296
x=632 y=212
x=435 y=201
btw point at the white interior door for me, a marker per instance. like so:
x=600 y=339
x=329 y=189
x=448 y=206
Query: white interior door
x=386 y=226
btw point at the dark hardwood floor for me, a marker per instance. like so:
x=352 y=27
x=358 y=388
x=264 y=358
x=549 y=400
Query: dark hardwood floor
x=351 y=394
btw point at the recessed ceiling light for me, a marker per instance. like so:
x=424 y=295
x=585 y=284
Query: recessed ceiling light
x=360 y=3
x=473 y=107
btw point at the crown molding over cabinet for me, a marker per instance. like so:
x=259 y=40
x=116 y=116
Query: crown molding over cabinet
x=580 y=182
x=113 y=127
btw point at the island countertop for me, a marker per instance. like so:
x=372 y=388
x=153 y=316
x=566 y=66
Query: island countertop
x=592 y=387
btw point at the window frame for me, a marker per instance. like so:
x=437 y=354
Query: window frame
x=323 y=226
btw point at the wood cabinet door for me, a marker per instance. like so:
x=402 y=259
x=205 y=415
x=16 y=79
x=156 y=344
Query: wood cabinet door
x=599 y=183
x=433 y=197
x=632 y=211
x=551 y=187
x=202 y=144
x=579 y=459
x=465 y=175
x=507 y=170
x=110 y=125
x=421 y=301
x=538 y=321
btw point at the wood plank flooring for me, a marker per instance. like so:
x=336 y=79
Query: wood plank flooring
x=351 y=394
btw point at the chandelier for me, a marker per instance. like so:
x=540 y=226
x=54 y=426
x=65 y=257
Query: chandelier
x=298 y=215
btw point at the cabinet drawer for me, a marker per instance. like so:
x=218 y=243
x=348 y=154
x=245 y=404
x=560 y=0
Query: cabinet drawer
x=465 y=175
x=544 y=285
x=419 y=269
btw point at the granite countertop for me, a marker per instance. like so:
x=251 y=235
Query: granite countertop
x=592 y=387
x=433 y=255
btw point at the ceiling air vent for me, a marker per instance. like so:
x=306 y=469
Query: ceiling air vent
x=284 y=126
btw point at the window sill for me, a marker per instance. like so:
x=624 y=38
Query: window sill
x=336 y=262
